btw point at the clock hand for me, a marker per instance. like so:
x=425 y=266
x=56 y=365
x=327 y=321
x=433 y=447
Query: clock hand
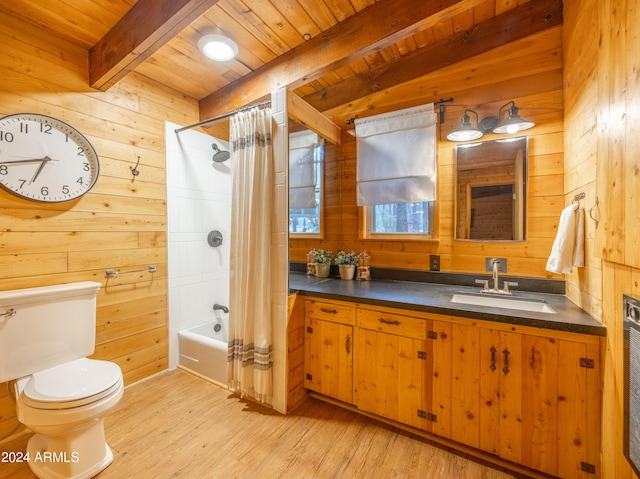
x=30 y=160
x=44 y=160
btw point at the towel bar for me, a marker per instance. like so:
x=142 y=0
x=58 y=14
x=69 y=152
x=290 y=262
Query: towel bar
x=110 y=273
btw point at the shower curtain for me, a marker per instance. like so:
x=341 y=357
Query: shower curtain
x=250 y=346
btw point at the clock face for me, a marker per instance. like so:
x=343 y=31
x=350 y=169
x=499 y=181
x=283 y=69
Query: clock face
x=44 y=159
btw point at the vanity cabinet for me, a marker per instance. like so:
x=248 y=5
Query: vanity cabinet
x=329 y=349
x=527 y=395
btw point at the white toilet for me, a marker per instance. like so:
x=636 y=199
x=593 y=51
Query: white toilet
x=46 y=335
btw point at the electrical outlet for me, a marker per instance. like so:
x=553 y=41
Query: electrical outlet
x=434 y=262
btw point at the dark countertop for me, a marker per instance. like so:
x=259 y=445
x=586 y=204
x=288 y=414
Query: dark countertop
x=435 y=298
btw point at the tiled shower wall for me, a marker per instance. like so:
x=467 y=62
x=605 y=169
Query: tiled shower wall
x=198 y=201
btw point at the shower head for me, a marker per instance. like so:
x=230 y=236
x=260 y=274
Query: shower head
x=219 y=156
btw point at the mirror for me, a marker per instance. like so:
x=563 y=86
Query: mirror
x=309 y=132
x=306 y=161
x=491 y=195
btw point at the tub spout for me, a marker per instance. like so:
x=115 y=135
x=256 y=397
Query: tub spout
x=217 y=307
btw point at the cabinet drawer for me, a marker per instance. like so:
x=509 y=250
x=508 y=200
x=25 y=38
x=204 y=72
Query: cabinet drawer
x=392 y=323
x=326 y=311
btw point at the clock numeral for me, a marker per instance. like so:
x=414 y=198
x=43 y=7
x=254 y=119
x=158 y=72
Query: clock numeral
x=80 y=151
x=80 y=181
x=4 y=170
x=44 y=191
x=24 y=128
x=86 y=167
x=6 y=136
x=46 y=128
x=22 y=182
x=65 y=189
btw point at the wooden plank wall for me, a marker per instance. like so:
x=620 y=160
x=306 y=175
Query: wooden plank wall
x=529 y=72
x=120 y=224
x=602 y=147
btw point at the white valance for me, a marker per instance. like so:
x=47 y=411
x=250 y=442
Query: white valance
x=396 y=157
x=302 y=181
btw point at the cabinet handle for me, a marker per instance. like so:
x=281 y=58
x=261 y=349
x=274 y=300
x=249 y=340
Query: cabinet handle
x=386 y=321
x=493 y=358
x=330 y=311
x=505 y=369
x=347 y=344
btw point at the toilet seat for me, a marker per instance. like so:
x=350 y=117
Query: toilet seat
x=70 y=385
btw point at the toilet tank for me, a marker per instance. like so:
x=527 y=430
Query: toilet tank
x=51 y=325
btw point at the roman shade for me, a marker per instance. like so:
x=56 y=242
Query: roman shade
x=302 y=181
x=396 y=157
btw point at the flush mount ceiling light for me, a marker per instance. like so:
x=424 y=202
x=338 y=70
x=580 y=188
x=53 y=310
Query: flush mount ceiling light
x=490 y=124
x=218 y=47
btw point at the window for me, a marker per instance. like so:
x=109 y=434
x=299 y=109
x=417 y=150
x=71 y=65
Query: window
x=401 y=218
x=396 y=180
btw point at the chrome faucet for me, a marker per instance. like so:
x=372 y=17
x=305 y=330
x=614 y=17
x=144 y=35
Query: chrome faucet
x=495 y=263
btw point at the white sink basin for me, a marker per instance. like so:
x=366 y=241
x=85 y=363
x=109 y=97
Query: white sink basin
x=507 y=302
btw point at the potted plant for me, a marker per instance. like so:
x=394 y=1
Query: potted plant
x=347 y=263
x=323 y=260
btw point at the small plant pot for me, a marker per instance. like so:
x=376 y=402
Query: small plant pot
x=346 y=271
x=322 y=270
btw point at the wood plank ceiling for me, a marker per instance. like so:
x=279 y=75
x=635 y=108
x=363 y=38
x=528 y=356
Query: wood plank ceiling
x=330 y=52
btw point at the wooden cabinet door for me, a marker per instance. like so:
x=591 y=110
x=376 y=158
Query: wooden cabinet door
x=549 y=404
x=474 y=399
x=394 y=358
x=465 y=384
x=579 y=409
x=517 y=398
x=390 y=376
x=438 y=388
x=329 y=359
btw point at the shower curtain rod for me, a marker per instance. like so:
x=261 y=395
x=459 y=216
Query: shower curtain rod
x=226 y=115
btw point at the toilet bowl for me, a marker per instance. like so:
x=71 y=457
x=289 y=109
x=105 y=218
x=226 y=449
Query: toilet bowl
x=46 y=336
x=65 y=406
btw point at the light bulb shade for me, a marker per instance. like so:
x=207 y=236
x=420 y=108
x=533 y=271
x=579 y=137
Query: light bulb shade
x=218 y=47
x=465 y=132
x=514 y=123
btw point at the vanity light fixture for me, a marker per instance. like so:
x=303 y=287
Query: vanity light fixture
x=514 y=123
x=490 y=124
x=465 y=132
x=218 y=47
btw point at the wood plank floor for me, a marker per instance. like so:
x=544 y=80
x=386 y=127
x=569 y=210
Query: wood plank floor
x=175 y=425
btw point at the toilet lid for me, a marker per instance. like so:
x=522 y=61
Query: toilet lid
x=72 y=384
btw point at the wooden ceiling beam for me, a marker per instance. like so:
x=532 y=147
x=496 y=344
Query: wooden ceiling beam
x=140 y=33
x=373 y=28
x=525 y=20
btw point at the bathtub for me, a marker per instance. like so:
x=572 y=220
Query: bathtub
x=204 y=351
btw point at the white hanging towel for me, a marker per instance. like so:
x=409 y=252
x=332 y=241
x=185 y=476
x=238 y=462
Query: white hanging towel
x=568 y=247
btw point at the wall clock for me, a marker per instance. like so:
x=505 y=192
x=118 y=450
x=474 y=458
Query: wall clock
x=45 y=159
